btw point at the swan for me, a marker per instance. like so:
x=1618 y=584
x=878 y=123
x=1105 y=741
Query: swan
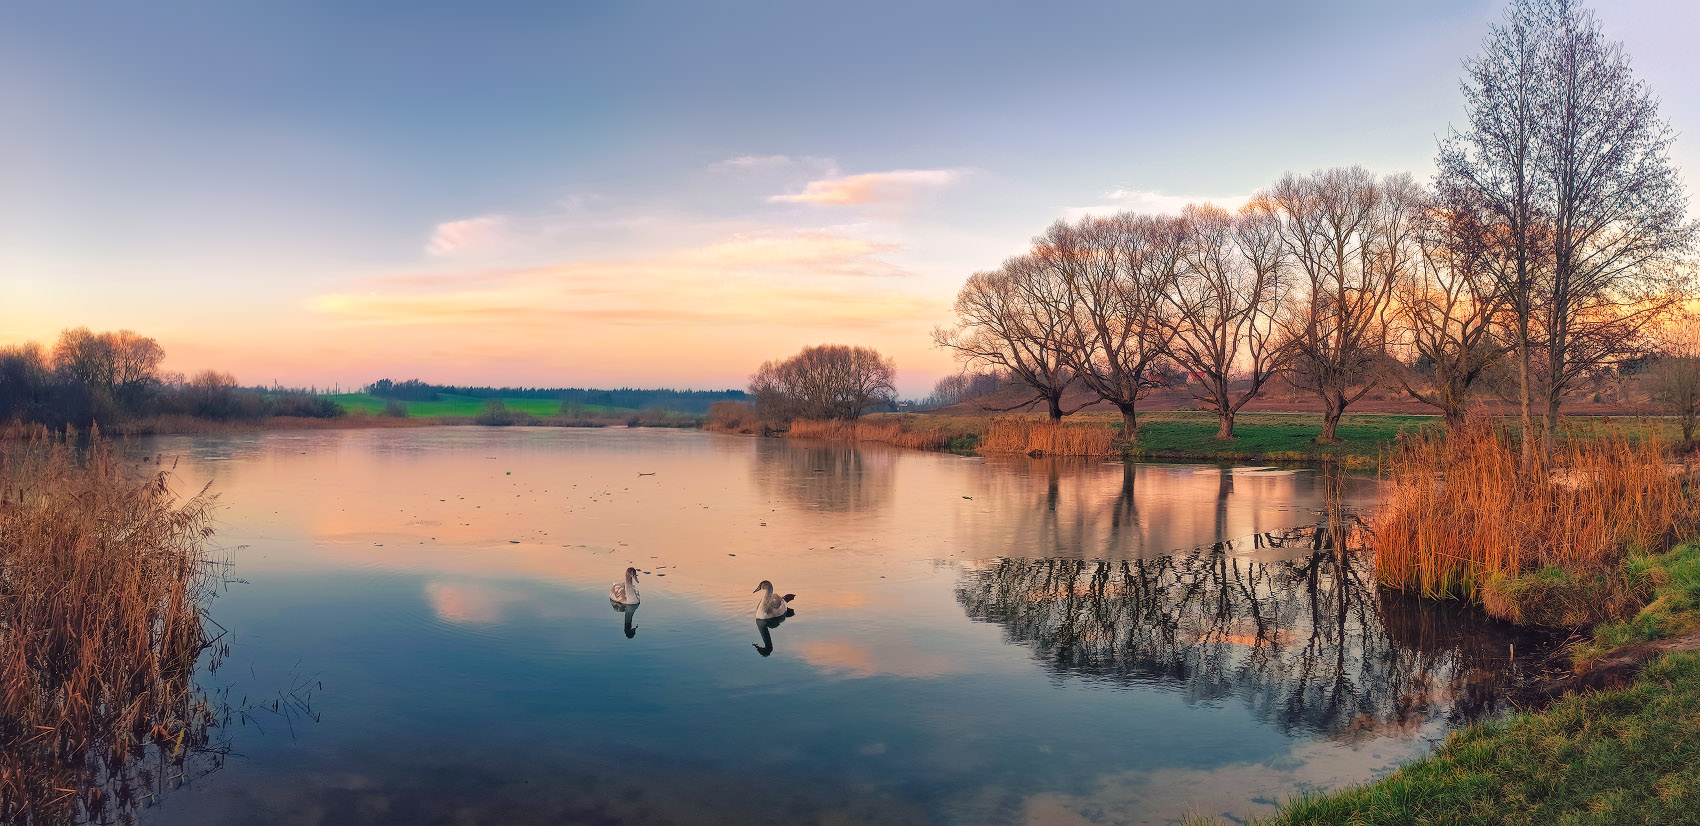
x=625 y=593
x=771 y=605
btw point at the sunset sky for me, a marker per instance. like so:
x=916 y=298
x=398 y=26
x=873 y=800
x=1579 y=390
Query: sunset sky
x=647 y=194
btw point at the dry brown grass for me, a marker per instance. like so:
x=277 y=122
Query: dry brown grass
x=102 y=584
x=1041 y=437
x=1461 y=516
x=889 y=430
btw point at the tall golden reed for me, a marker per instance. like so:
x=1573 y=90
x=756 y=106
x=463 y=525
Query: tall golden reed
x=1459 y=512
x=888 y=430
x=102 y=585
x=1014 y=434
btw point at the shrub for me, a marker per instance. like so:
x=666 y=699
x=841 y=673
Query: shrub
x=496 y=414
x=733 y=417
x=395 y=408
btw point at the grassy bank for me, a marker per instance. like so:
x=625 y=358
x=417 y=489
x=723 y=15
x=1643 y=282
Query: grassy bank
x=1624 y=756
x=1190 y=436
x=1184 y=435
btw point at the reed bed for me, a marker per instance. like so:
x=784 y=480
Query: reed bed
x=102 y=584
x=888 y=430
x=1036 y=437
x=1461 y=516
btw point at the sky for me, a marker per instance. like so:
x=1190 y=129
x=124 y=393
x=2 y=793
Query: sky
x=650 y=194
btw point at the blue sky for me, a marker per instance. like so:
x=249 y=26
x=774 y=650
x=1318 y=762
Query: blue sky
x=640 y=193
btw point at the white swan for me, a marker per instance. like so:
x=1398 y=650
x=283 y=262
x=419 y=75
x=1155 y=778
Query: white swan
x=625 y=593
x=771 y=605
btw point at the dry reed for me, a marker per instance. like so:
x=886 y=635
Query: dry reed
x=102 y=585
x=1037 y=437
x=1460 y=516
x=888 y=430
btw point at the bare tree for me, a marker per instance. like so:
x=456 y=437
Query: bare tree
x=1348 y=236
x=1487 y=176
x=1117 y=270
x=1219 y=314
x=1015 y=319
x=1445 y=310
x=1565 y=163
x=1618 y=207
x=826 y=381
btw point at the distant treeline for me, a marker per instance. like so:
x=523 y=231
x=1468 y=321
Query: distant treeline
x=111 y=378
x=682 y=401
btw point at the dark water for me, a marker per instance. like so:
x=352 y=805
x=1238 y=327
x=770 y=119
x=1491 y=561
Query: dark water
x=975 y=641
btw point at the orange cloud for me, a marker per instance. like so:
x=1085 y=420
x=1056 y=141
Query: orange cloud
x=807 y=278
x=897 y=186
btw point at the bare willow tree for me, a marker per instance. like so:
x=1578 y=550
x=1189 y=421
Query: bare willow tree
x=1445 y=309
x=1566 y=159
x=1117 y=270
x=1015 y=319
x=1347 y=235
x=829 y=381
x=1219 y=316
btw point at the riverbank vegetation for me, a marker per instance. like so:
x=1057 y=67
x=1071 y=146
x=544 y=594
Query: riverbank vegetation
x=1463 y=516
x=103 y=580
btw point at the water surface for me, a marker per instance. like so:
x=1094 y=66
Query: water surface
x=975 y=641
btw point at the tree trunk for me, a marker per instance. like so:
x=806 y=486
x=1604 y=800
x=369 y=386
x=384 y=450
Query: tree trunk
x=1525 y=401
x=1332 y=406
x=1225 y=426
x=1054 y=405
x=1130 y=422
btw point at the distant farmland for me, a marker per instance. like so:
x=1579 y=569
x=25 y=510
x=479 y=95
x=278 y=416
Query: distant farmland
x=448 y=404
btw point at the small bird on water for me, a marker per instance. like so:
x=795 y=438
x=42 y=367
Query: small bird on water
x=625 y=593
x=771 y=605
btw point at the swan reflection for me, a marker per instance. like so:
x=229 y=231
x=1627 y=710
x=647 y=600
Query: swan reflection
x=630 y=612
x=763 y=627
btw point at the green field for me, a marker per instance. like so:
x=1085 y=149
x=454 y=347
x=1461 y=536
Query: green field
x=447 y=405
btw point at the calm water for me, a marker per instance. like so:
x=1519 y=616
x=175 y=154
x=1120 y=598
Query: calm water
x=975 y=641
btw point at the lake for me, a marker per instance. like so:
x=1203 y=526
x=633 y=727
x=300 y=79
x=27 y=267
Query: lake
x=975 y=641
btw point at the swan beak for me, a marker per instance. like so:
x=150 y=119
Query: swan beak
x=756 y=591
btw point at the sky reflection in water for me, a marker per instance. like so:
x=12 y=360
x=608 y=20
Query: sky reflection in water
x=975 y=641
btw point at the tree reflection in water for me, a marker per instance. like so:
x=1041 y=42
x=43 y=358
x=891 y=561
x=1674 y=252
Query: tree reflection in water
x=1309 y=644
x=828 y=476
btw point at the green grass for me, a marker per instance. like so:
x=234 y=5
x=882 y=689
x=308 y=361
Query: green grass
x=1674 y=609
x=1624 y=756
x=1259 y=436
x=1271 y=436
x=465 y=406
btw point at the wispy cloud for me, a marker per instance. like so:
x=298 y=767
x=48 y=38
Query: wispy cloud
x=896 y=186
x=467 y=234
x=1150 y=201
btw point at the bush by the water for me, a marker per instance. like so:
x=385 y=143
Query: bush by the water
x=1461 y=515
x=102 y=585
x=496 y=414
